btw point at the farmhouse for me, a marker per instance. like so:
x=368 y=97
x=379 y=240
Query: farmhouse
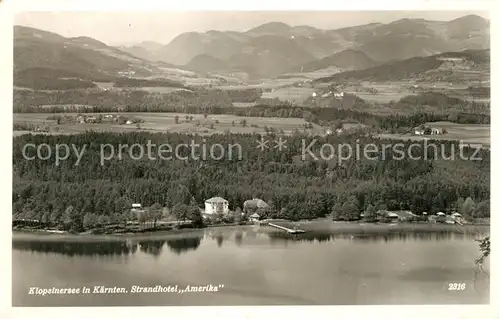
x=91 y=119
x=419 y=131
x=338 y=95
x=80 y=119
x=216 y=205
x=436 y=131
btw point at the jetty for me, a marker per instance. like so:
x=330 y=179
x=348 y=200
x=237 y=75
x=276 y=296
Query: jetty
x=293 y=230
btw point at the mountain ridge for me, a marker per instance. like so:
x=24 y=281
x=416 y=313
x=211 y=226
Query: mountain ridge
x=264 y=51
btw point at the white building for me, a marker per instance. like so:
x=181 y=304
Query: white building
x=339 y=95
x=419 y=131
x=436 y=131
x=136 y=208
x=216 y=205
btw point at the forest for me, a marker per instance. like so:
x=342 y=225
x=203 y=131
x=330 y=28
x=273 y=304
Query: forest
x=294 y=187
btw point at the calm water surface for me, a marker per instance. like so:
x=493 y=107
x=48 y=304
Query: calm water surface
x=256 y=267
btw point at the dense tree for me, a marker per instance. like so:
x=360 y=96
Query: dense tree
x=370 y=214
x=156 y=213
x=294 y=187
x=468 y=207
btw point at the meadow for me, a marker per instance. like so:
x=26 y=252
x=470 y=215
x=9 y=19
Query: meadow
x=467 y=133
x=166 y=122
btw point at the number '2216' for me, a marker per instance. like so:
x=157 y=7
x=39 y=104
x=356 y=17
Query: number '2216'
x=457 y=286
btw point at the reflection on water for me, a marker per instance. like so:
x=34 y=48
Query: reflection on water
x=180 y=245
x=152 y=247
x=107 y=248
x=258 y=266
x=378 y=236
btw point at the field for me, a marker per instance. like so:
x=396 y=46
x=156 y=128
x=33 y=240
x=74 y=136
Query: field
x=165 y=122
x=293 y=94
x=384 y=92
x=467 y=133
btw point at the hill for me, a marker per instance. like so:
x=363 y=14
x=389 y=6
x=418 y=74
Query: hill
x=206 y=63
x=44 y=56
x=347 y=60
x=416 y=67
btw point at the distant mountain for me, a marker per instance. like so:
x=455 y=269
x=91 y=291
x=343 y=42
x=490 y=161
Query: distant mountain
x=440 y=65
x=45 y=56
x=144 y=50
x=265 y=51
x=399 y=40
x=346 y=60
x=85 y=56
x=272 y=28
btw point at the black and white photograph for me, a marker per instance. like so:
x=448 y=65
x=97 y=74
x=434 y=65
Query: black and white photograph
x=251 y=158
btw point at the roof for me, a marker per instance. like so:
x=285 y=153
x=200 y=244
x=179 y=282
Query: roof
x=392 y=214
x=136 y=206
x=216 y=200
x=456 y=214
x=404 y=213
x=259 y=203
x=255 y=215
x=440 y=214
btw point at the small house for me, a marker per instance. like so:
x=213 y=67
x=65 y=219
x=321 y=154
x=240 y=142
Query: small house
x=458 y=218
x=136 y=208
x=392 y=216
x=129 y=122
x=405 y=215
x=441 y=217
x=80 y=119
x=90 y=119
x=419 y=131
x=436 y=131
x=254 y=217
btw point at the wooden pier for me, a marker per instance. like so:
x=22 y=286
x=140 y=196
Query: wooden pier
x=288 y=230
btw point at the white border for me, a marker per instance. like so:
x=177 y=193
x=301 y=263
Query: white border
x=9 y=7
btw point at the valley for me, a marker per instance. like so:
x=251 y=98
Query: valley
x=240 y=81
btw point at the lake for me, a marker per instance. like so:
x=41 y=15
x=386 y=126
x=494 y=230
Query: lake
x=255 y=266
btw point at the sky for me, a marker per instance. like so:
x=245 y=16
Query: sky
x=126 y=28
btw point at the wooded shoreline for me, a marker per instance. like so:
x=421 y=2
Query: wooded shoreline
x=322 y=225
